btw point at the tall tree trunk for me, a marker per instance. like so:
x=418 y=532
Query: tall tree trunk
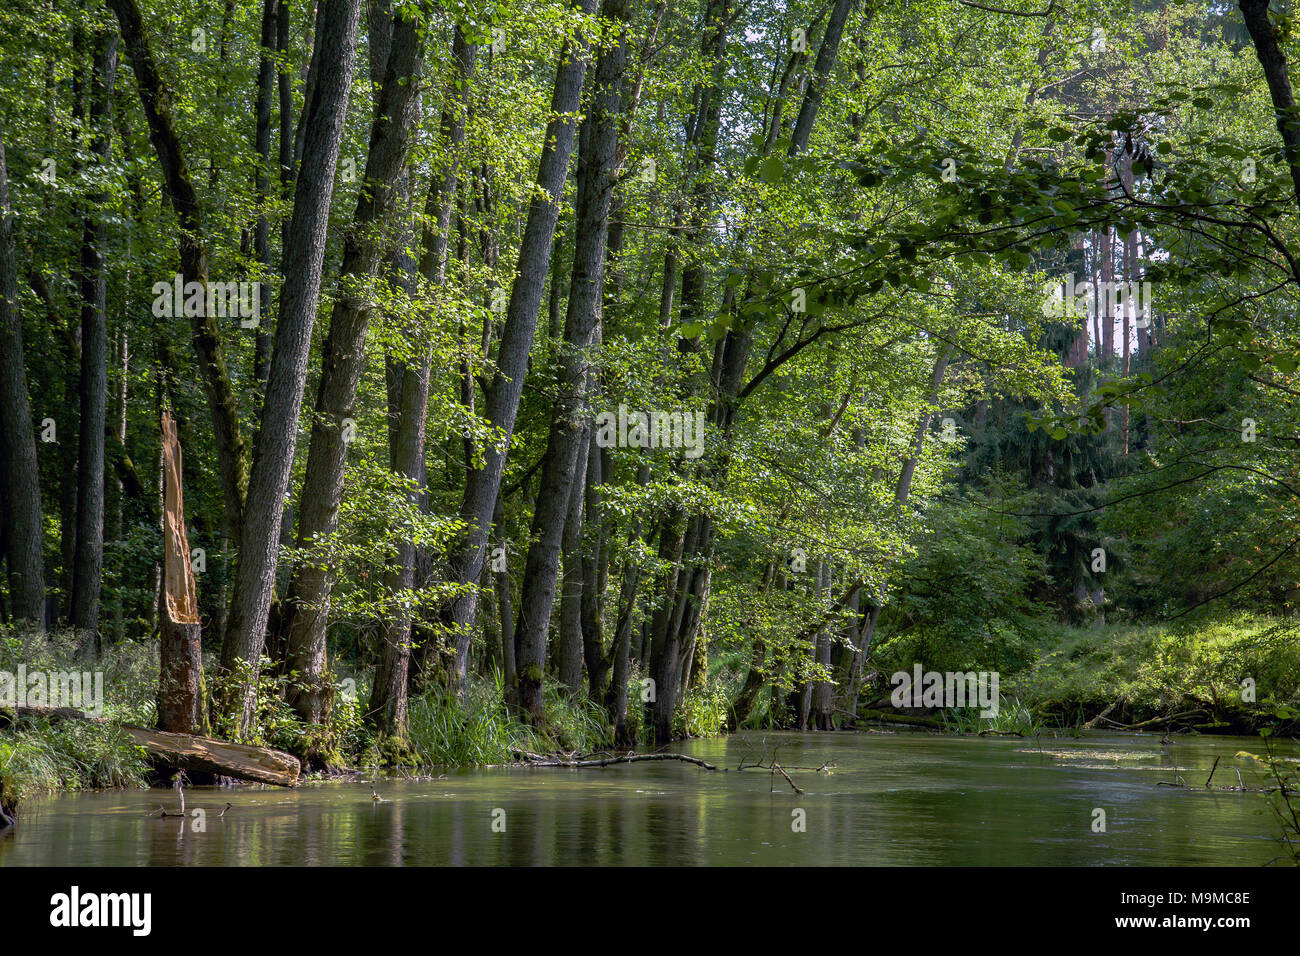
x=262 y=174
x=232 y=458
x=503 y=394
x=333 y=60
x=685 y=585
x=343 y=357
x=88 y=566
x=389 y=700
x=563 y=474
x=19 y=471
x=1276 y=73
x=826 y=55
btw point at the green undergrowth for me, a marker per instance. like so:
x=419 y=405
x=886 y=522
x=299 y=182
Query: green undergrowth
x=1217 y=676
x=41 y=756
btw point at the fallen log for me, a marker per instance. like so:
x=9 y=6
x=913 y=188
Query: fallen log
x=195 y=754
x=205 y=755
x=1154 y=721
x=888 y=718
x=1105 y=714
x=533 y=760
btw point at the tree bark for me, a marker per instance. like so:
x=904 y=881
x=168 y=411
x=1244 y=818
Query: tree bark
x=344 y=356
x=180 y=663
x=324 y=114
x=503 y=394
x=826 y=55
x=262 y=173
x=19 y=471
x=88 y=564
x=389 y=699
x=563 y=466
x=1273 y=60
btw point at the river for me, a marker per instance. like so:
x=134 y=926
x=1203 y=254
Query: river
x=889 y=799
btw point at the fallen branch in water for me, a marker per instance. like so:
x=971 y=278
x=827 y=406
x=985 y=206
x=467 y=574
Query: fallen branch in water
x=1151 y=722
x=537 y=760
x=887 y=718
x=776 y=768
x=1105 y=714
x=1180 y=784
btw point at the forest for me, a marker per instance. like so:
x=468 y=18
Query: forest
x=412 y=384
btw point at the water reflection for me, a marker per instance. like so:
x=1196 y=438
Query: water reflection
x=892 y=799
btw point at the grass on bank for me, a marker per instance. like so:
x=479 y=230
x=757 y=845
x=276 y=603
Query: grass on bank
x=48 y=756
x=1065 y=676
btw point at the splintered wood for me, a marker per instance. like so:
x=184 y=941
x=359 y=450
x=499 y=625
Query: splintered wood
x=179 y=598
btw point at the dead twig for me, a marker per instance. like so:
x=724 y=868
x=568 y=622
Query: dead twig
x=776 y=768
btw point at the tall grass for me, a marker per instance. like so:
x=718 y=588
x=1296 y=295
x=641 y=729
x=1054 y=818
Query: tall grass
x=1012 y=717
x=444 y=731
x=44 y=755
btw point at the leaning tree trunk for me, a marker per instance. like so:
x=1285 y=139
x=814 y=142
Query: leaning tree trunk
x=1273 y=60
x=343 y=358
x=19 y=471
x=155 y=98
x=323 y=115
x=563 y=471
x=504 y=392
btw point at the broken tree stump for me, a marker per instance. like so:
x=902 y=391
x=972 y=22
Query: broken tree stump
x=180 y=664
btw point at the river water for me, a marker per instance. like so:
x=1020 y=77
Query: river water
x=890 y=798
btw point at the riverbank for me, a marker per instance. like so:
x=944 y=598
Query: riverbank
x=1235 y=676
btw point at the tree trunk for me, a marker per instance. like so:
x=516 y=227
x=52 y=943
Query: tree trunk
x=88 y=566
x=903 y=489
x=503 y=394
x=389 y=700
x=505 y=609
x=568 y=636
x=595 y=573
x=156 y=100
x=333 y=58
x=343 y=357
x=1272 y=59
x=19 y=471
x=563 y=466
x=262 y=174
x=180 y=664
x=826 y=56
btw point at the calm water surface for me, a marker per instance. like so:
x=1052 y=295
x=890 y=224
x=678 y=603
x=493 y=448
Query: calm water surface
x=897 y=798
